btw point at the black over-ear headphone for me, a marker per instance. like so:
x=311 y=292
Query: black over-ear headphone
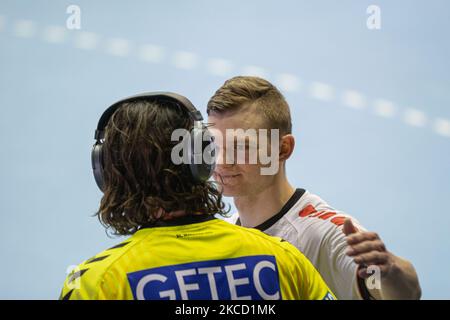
x=200 y=170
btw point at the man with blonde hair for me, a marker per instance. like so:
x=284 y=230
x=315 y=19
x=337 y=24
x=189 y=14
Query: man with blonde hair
x=353 y=262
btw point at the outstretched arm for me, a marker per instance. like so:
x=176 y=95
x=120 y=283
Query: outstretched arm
x=397 y=276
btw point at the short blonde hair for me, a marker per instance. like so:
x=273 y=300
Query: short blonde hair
x=242 y=91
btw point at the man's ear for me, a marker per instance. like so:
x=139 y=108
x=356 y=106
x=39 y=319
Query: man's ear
x=286 y=146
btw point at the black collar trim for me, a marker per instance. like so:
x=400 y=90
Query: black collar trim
x=180 y=221
x=289 y=204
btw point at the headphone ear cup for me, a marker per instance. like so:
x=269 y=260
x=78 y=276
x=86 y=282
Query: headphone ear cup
x=209 y=153
x=97 y=164
x=202 y=154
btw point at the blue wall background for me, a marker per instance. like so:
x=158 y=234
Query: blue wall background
x=386 y=165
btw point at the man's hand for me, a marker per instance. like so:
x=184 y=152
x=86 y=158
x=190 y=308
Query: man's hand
x=367 y=249
x=398 y=277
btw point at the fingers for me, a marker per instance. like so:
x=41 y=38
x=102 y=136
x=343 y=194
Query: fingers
x=367 y=249
x=366 y=246
x=361 y=236
x=372 y=258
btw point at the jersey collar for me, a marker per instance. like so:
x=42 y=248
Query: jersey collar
x=288 y=205
x=181 y=221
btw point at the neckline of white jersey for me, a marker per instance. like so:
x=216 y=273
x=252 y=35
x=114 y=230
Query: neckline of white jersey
x=299 y=192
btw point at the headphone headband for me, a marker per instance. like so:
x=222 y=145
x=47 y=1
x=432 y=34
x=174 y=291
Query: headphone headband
x=199 y=171
x=182 y=101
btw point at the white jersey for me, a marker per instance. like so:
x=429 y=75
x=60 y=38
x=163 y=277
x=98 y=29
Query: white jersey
x=315 y=228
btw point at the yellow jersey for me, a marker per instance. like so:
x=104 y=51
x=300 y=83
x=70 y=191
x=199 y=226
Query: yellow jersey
x=197 y=257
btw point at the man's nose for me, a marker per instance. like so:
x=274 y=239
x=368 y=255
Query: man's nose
x=224 y=161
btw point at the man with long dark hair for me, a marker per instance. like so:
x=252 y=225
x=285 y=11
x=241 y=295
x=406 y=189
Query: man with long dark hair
x=177 y=248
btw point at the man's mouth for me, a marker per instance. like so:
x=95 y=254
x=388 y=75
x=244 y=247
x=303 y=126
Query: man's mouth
x=226 y=178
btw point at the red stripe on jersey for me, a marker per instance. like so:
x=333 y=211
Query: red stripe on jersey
x=306 y=211
x=318 y=214
x=311 y=212
x=327 y=215
x=339 y=221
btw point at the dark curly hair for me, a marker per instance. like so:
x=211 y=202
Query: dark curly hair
x=141 y=181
